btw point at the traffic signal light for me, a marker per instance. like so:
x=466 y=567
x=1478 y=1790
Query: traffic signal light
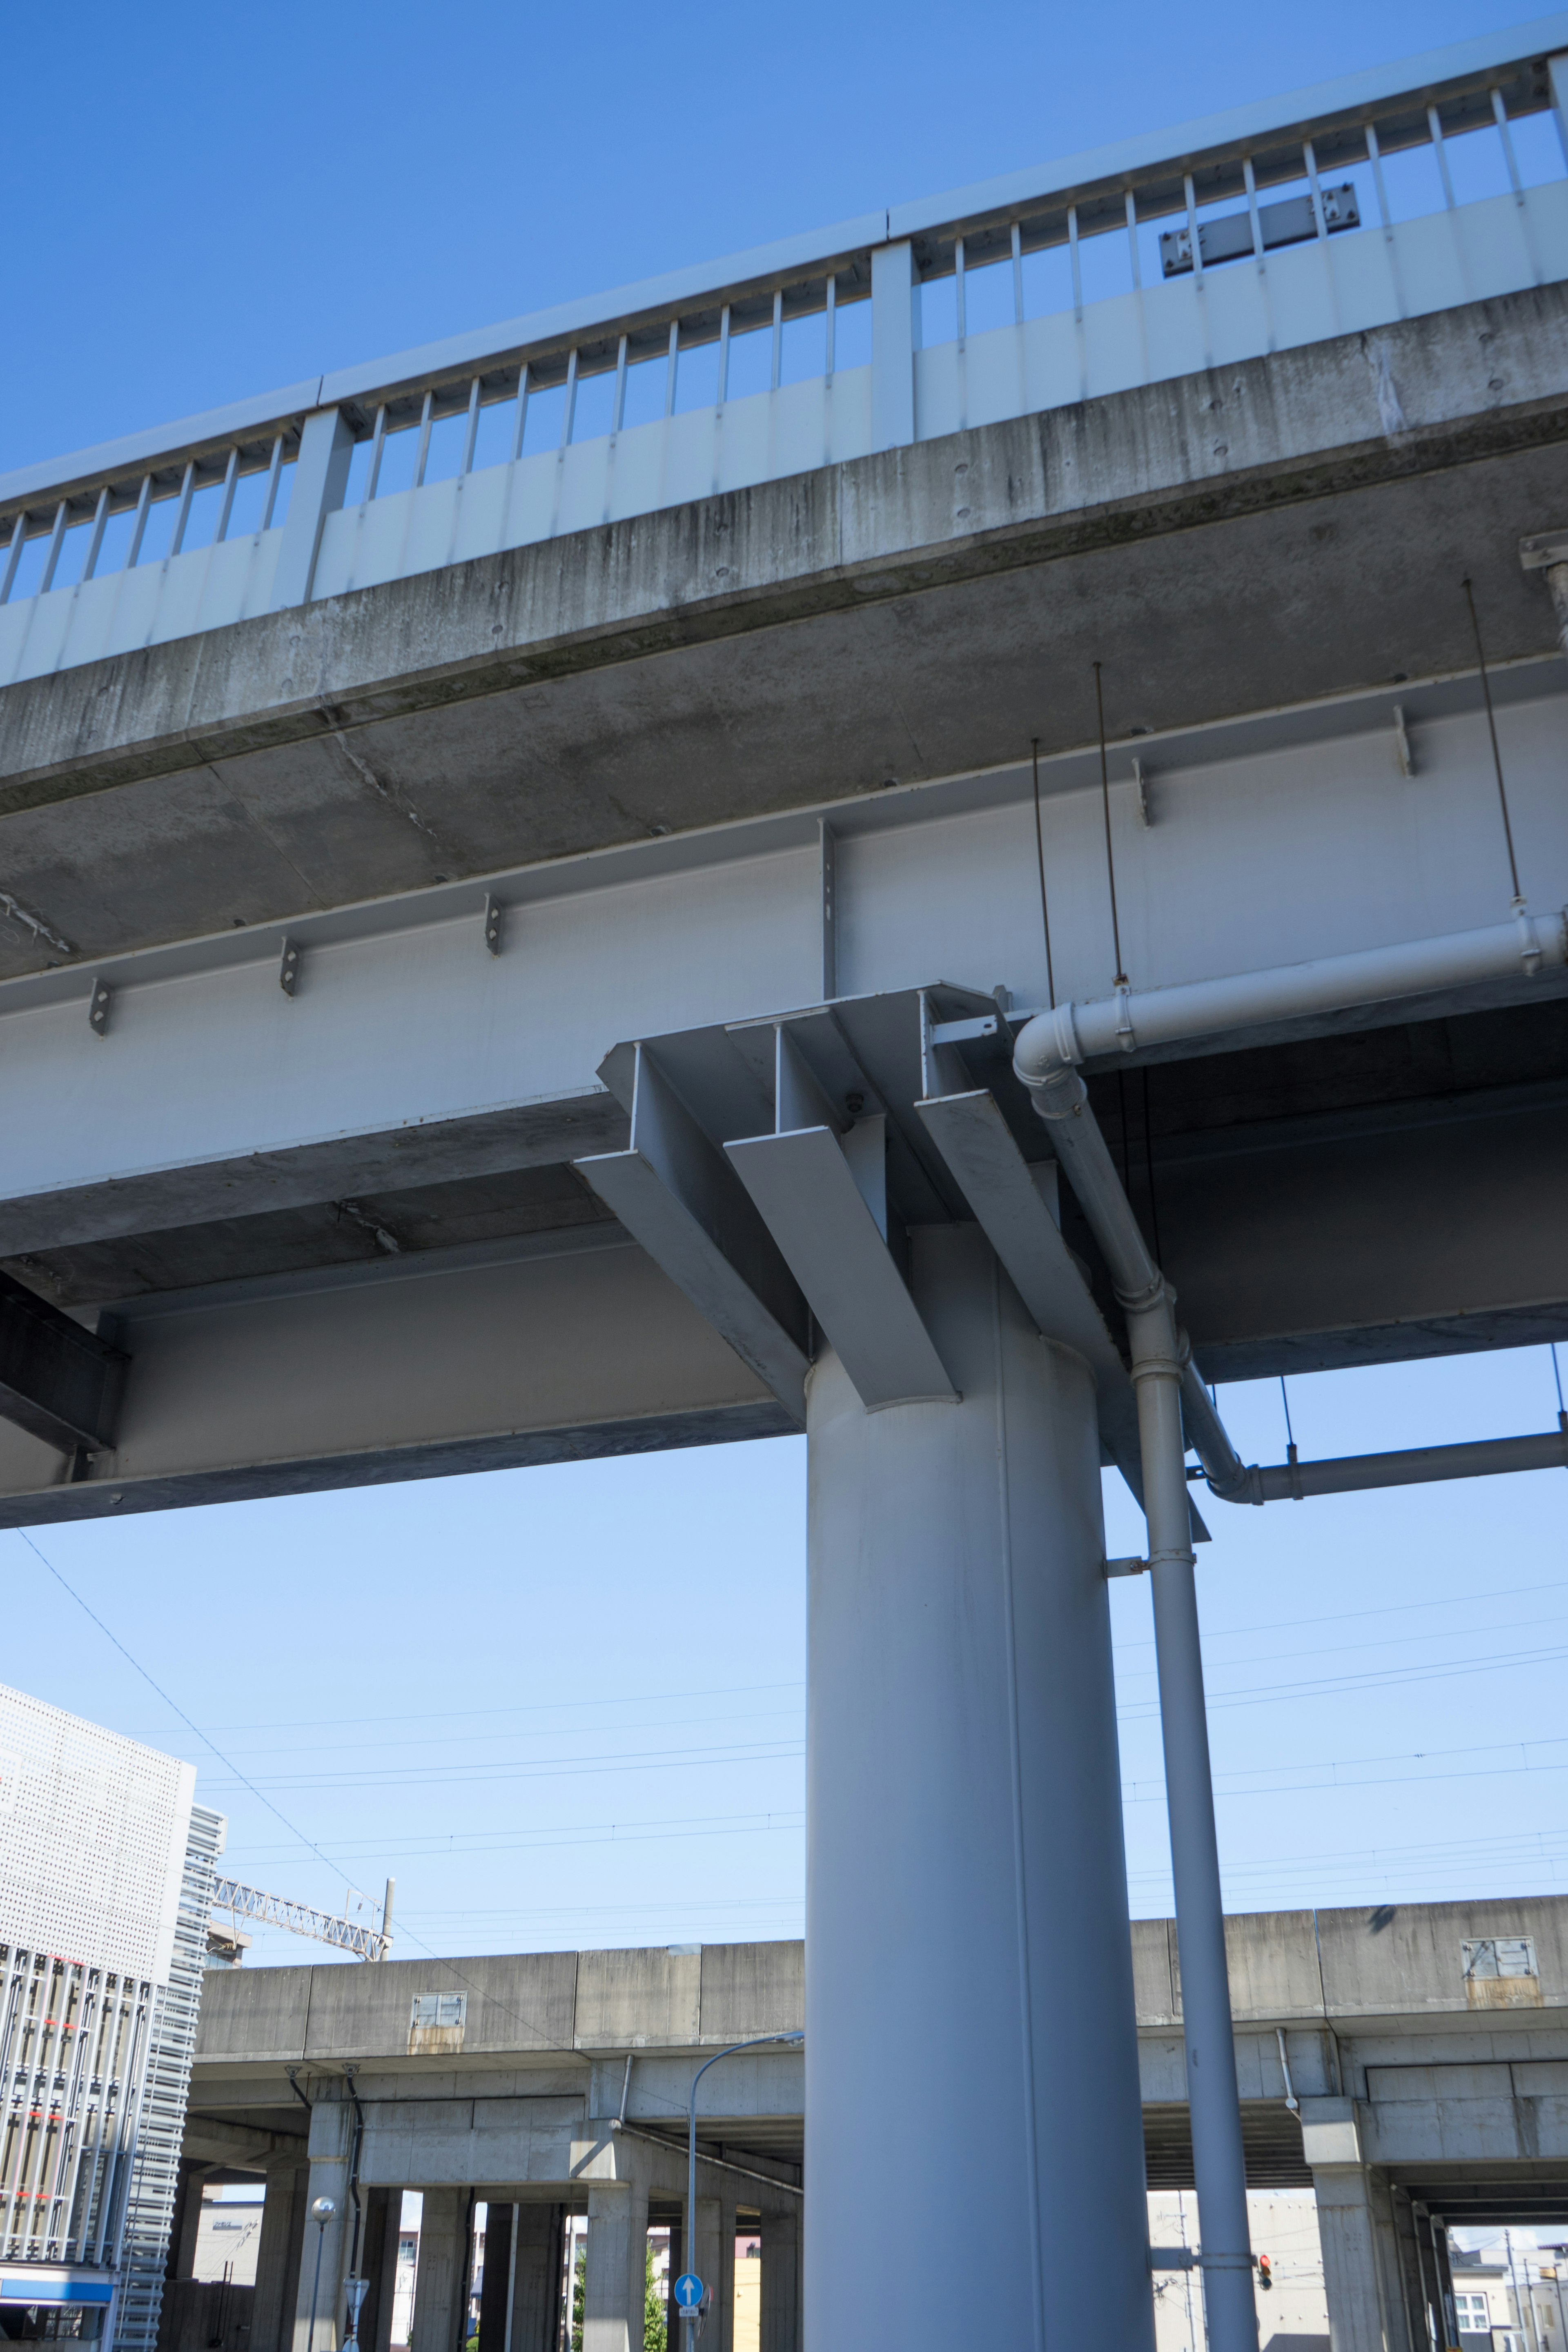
x=1265 y=2275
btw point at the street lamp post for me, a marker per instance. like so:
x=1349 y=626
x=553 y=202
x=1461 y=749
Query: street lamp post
x=761 y=2042
x=322 y=2210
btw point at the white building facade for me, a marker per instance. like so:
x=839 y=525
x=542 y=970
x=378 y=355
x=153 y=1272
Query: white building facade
x=105 y=1868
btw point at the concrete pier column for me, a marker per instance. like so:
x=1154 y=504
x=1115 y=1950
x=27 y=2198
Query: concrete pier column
x=969 y=1981
x=331 y=2132
x=442 y=2275
x=780 y=2329
x=713 y=2271
x=277 y=2255
x=536 y=2260
x=615 y=2283
x=187 y=2221
x=495 y=2293
x=1362 y=2281
x=379 y=2212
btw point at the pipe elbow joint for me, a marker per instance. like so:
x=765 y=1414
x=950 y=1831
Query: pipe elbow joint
x=1247 y=1488
x=1045 y=1060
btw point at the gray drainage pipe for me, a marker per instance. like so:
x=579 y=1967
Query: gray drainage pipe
x=1131 y=1020
x=1048 y=1048
x=1358 y=1473
x=1160 y=1374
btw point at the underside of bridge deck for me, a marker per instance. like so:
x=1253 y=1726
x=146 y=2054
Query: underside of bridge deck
x=755 y=753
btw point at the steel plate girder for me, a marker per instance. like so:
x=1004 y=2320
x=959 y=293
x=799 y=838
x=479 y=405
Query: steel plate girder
x=676 y=1193
x=806 y=1192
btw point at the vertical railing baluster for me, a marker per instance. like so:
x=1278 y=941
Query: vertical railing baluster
x=619 y=416
x=95 y=544
x=1435 y=128
x=674 y=364
x=1310 y=155
x=183 y=512
x=1250 y=176
x=569 y=407
x=472 y=434
x=960 y=307
x=377 y=450
x=830 y=325
x=1077 y=268
x=274 y=474
x=1017 y=274
x=522 y=425
x=1376 y=152
x=52 y=555
x=423 y=457
x=725 y=357
x=1499 y=116
x=12 y=557
x=777 y=368
x=1192 y=196
x=226 y=507
x=139 y=522
x=1132 y=241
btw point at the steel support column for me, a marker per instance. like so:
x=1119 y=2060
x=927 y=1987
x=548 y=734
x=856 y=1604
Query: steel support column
x=969 y=1993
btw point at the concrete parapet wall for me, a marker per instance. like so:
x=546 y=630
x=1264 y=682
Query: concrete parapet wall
x=1396 y=1961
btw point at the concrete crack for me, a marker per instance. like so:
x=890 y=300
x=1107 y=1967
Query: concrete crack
x=25 y=919
x=388 y=792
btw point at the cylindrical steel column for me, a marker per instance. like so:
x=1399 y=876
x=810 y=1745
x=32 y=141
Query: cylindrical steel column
x=971 y=2068
x=1218 y=2164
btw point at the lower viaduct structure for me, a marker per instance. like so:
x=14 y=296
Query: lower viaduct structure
x=1408 y=2063
x=941 y=834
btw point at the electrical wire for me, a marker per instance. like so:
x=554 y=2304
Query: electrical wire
x=1352 y=1685
x=544 y=2041
x=1354 y=1616
x=1121 y=980
x=1491 y=729
x=1040 y=858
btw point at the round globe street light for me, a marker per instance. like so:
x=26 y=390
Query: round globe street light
x=321 y=2213
x=763 y=2041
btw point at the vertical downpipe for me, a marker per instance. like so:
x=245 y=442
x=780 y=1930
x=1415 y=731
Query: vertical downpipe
x=1218 y=2160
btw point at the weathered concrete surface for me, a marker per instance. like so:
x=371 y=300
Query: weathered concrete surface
x=1224 y=543
x=1401 y=2077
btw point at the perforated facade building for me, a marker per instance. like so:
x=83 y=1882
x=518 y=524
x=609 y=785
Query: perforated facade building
x=105 y=1868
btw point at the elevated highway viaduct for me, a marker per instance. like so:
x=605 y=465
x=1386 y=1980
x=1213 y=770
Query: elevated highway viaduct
x=1428 y=2096
x=527 y=935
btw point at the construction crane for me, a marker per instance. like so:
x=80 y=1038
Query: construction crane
x=301 y=1919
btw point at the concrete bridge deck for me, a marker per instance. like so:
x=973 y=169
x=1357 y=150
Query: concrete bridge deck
x=1428 y=2086
x=765 y=742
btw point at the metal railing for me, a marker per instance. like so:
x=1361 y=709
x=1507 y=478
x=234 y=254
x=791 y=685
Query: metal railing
x=1007 y=255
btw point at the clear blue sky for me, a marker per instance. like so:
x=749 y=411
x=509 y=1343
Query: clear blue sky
x=566 y=1705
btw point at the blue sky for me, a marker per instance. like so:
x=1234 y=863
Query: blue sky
x=217 y=201
x=566 y=1705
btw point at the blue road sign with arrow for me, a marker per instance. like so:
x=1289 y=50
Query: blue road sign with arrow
x=687 y=2291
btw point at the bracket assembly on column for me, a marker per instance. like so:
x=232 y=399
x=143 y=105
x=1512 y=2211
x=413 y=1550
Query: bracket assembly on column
x=776 y=1167
x=99 y=1006
x=289 y=964
x=494 y=915
x=675 y=1192
x=819 y=1182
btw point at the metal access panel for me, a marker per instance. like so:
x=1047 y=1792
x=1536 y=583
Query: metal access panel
x=1292 y=221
